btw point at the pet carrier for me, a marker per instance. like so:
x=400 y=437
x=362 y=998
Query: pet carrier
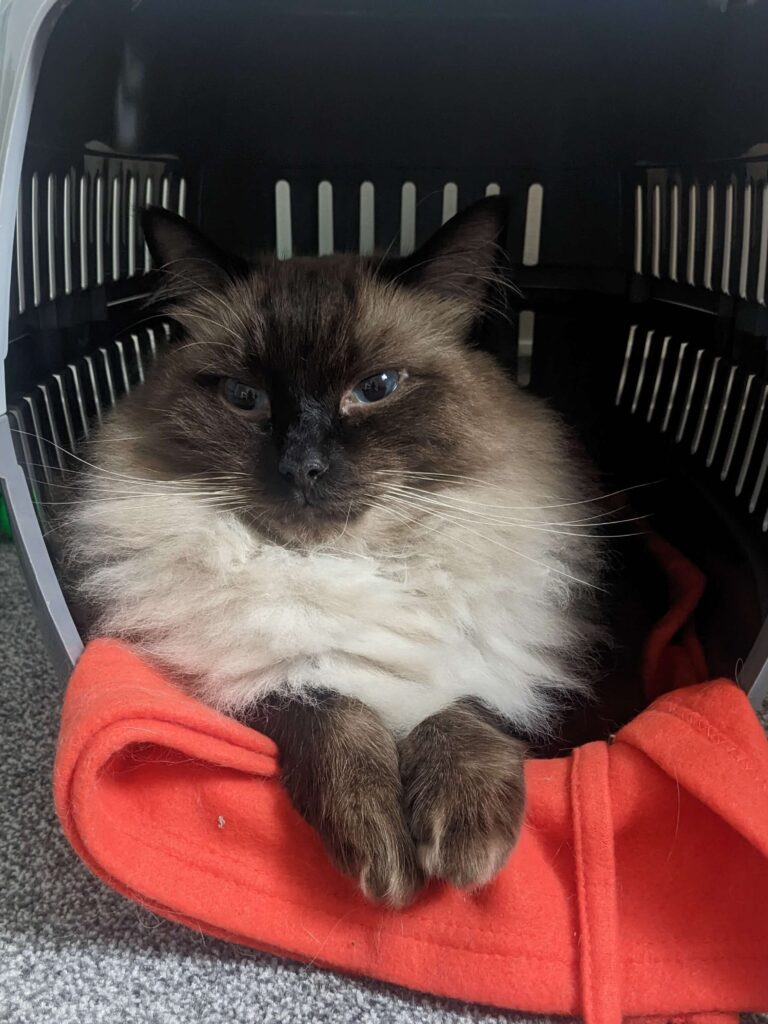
x=631 y=139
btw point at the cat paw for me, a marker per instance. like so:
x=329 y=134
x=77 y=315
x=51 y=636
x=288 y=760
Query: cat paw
x=370 y=842
x=464 y=796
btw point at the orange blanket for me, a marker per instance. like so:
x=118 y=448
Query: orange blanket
x=639 y=887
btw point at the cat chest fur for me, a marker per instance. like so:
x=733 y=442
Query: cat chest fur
x=241 y=618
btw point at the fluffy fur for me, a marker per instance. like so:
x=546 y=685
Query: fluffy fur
x=456 y=563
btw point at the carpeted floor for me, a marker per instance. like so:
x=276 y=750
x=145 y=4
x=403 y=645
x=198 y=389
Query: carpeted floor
x=73 y=952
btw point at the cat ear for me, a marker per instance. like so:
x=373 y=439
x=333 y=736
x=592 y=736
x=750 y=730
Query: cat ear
x=185 y=257
x=459 y=260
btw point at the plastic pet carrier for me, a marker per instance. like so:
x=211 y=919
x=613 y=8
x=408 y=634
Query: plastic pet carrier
x=632 y=140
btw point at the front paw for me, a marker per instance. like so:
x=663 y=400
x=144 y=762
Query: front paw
x=464 y=795
x=340 y=767
x=366 y=835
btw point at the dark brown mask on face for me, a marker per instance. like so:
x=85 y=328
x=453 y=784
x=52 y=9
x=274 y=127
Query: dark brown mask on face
x=302 y=385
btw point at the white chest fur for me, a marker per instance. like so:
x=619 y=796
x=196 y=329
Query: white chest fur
x=406 y=633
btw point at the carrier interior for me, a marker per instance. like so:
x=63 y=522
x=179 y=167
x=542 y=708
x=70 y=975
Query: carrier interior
x=632 y=140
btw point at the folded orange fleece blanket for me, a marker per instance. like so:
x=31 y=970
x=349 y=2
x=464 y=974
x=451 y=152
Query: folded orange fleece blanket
x=639 y=887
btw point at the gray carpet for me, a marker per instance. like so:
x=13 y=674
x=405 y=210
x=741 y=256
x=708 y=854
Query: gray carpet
x=73 y=952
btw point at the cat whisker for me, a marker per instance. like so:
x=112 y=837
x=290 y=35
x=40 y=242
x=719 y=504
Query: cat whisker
x=514 y=508
x=122 y=476
x=514 y=551
x=486 y=520
x=71 y=455
x=457 y=505
x=471 y=515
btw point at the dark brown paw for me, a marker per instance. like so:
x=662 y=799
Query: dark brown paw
x=340 y=766
x=464 y=795
x=367 y=837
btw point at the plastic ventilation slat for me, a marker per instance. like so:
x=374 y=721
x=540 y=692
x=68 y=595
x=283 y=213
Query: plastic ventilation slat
x=746 y=232
x=699 y=431
x=693 y=226
x=725 y=281
x=50 y=234
x=657 y=381
x=107 y=367
x=762 y=256
x=656 y=232
x=283 y=228
x=724 y=403
x=149 y=187
x=533 y=215
x=21 y=435
x=99 y=228
x=738 y=424
x=66 y=232
x=367 y=239
x=34 y=220
x=757 y=490
x=94 y=388
x=638 y=263
x=83 y=230
x=115 y=229
x=641 y=374
x=132 y=225
x=674 y=229
x=751 y=443
x=688 y=404
x=67 y=412
x=31 y=405
x=139 y=358
x=20 y=269
x=407 y=218
x=52 y=428
x=324 y=218
x=126 y=380
x=625 y=365
x=450 y=201
x=525 y=336
x=709 y=236
x=77 y=384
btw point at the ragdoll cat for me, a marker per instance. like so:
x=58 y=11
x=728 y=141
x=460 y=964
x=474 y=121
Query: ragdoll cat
x=327 y=512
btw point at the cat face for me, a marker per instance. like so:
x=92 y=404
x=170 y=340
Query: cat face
x=305 y=389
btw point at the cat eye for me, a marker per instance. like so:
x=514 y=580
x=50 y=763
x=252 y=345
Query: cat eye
x=245 y=397
x=373 y=389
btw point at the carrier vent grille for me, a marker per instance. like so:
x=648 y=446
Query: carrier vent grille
x=400 y=238
x=707 y=405
x=80 y=229
x=706 y=228
x=51 y=421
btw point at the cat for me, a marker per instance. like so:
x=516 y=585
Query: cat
x=329 y=513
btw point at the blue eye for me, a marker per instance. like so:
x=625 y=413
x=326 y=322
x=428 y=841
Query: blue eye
x=373 y=389
x=245 y=397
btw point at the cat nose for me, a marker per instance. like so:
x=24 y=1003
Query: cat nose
x=304 y=470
